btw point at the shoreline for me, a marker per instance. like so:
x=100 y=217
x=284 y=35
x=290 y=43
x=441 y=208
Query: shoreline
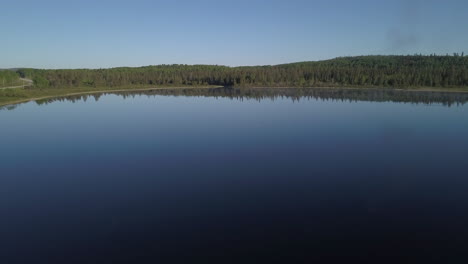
x=422 y=89
x=26 y=100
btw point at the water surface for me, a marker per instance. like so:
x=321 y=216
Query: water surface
x=280 y=174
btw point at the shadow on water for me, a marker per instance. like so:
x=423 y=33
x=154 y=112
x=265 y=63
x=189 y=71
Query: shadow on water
x=295 y=94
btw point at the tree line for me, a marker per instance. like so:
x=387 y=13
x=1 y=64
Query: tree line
x=363 y=71
x=8 y=78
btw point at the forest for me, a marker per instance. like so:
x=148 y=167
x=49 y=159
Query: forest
x=361 y=71
x=8 y=77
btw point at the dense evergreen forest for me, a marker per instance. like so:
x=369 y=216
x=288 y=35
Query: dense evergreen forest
x=363 y=71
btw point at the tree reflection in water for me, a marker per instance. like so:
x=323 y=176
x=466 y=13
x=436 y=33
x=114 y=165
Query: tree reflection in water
x=296 y=94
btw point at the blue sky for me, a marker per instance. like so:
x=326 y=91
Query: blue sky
x=95 y=34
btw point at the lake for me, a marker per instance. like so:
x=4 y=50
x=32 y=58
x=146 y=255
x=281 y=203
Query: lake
x=222 y=174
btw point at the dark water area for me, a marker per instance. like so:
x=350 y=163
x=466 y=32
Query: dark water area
x=235 y=175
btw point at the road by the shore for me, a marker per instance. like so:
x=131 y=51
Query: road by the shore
x=27 y=82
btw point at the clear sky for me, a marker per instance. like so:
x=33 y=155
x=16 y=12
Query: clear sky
x=110 y=33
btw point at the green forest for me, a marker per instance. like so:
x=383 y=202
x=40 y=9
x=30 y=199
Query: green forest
x=8 y=77
x=362 y=71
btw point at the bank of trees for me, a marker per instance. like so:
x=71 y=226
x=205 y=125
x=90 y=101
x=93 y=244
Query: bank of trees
x=8 y=78
x=367 y=71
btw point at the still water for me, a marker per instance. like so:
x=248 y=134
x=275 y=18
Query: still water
x=210 y=174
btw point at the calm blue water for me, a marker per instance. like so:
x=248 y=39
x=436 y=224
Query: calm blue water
x=174 y=178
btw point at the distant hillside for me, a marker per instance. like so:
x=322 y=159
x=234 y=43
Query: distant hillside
x=363 y=71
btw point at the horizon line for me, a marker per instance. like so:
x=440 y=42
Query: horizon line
x=455 y=54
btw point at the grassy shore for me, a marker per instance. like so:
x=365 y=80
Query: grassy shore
x=15 y=96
